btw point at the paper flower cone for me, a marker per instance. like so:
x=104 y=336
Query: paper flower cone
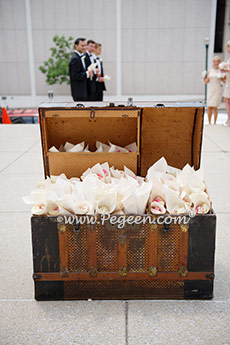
x=185 y=197
x=92 y=66
x=97 y=169
x=44 y=184
x=78 y=190
x=52 y=208
x=117 y=173
x=54 y=178
x=124 y=189
x=33 y=198
x=172 y=185
x=84 y=207
x=74 y=180
x=40 y=208
x=142 y=196
x=78 y=147
x=87 y=149
x=131 y=147
x=68 y=146
x=115 y=148
x=53 y=149
x=64 y=186
x=201 y=202
x=190 y=180
x=118 y=213
x=85 y=173
x=106 y=204
x=172 y=171
x=157 y=188
x=102 y=147
x=129 y=172
x=157 y=169
x=157 y=208
x=67 y=203
x=130 y=204
x=174 y=203
x=105 y=169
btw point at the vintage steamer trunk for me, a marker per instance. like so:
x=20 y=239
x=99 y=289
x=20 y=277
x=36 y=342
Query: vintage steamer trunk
x=101 y=261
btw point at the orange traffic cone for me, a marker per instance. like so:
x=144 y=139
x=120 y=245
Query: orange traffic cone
x=5 y=117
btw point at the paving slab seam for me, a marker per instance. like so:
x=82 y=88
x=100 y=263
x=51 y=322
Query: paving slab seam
x=17 y=300
x=126 y=303
x=214 y=142
x=211 y=173
x=126 y=322
x=6 y=167
x=19 y=212
x=211 y=151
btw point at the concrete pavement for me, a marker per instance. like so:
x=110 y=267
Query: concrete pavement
x=23 y=321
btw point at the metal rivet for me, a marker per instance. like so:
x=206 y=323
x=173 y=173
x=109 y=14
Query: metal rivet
x=152 y=271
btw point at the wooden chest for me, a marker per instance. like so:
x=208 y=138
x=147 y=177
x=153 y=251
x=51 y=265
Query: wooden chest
x=103 y=261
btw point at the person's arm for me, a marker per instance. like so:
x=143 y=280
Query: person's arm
x=207 y=79
x=223 y=79
x=76 y=72
x=224 y=70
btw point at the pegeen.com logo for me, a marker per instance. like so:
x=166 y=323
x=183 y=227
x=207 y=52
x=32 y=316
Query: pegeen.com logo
x=120 y=221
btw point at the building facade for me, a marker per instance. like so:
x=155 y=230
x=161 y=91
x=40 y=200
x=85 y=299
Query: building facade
x=150 y=47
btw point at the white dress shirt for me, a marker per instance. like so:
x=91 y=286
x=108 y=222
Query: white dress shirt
x=91 y=56
x=82 y=61
x=98 y=60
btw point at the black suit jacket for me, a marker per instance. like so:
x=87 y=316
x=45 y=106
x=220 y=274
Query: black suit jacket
x=102 y=74
x=100 y=85
x=78 y=78
x=91 y=83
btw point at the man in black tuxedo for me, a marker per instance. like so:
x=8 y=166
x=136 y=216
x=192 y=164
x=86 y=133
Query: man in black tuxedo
x=78 y=71
x=100 y=84
x=89 y=59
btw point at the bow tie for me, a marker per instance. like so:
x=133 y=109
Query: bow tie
x=90 y=55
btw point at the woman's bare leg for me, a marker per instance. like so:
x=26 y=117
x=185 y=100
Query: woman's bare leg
x=227 y=104
x=209 y=114
x=215 y=110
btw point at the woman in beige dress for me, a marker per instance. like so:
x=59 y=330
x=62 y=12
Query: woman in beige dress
x=214 y=79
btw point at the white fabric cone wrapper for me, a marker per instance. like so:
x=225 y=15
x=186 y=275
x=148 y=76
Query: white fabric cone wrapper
x=100 y=147
x=115 y=148
x=68 y=147
x=225 y=66
x=86 y=149
x=103 y=189
x=78 y=147
x=107 y=77
x=53 y=149
x=92 y=66
x=157 y=207
x=204 y=75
